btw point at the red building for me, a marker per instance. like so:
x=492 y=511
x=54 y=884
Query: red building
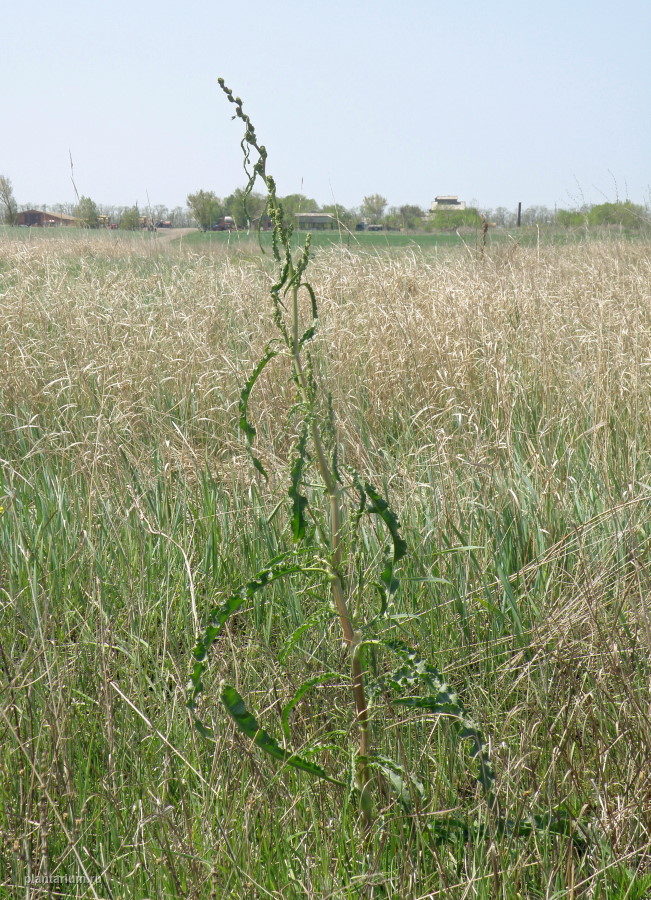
x=40 y=218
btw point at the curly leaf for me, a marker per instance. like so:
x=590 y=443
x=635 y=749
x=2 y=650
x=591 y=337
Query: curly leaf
x=399 y=779
x=248 y=724
x=245 y=425
x=308 y=334
x=441 y=700
x=277 y=568
x=380 y=507
x=299 y=501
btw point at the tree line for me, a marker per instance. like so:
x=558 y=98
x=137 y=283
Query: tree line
x=206 y=210
x=91 y=214
x=129 y=218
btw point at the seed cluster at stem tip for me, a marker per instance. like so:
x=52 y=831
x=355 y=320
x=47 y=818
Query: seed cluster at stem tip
x=250 y=137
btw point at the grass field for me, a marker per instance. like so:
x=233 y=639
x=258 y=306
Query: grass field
x=248 y=243
x=501 y=401
x=468 y=239
x=378 y=240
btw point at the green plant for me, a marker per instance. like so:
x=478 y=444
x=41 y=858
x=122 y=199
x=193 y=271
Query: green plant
x=130 y=219
x=8 y=201
x=626 y=214
x=205 y=208
x=87 y=213
x=570 y=218
x=450 y=219
x=326 y=541
x=125 y=495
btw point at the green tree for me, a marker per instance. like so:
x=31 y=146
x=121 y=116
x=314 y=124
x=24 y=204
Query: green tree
x=8 y=201
x=297 y=203
x=205 y=208
x=244 y=208
x=451 y=219
x=86 y=211
x=347 y=217
x=130 y=219
x=411 y=216
x=373 y=207
x=569 y=218
x=627 y=214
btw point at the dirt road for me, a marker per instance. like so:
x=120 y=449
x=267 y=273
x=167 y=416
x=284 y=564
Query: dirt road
x=170 y=234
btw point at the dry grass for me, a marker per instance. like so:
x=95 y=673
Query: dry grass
x=454 y=340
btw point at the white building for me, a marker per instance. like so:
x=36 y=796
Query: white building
x=447 y=201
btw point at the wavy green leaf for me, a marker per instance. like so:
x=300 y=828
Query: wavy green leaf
x=279 y=567
x=441 y=700
x=309 y=332
x=243 y=408
x=247 y=723
x=380 y=507
x=299 y=501
x=298 y=696
x=399 y=779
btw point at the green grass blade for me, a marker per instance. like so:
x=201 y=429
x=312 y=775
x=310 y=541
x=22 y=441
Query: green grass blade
x=320 y=618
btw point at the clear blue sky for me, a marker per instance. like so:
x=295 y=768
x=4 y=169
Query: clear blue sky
x=493 y=100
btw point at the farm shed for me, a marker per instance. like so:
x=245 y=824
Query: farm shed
x=447 y=201
x=41 y=218
x=314 y=221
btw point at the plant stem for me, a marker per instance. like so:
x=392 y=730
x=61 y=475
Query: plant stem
x=336 y=580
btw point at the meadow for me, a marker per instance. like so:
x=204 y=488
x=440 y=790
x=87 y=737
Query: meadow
x=466 y=238
x=500 y=400
x=353 y=240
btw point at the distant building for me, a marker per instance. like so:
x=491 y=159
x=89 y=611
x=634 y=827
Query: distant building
x=315 y=221
x=260 y=223
x=40 y=218
x=447 y=201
